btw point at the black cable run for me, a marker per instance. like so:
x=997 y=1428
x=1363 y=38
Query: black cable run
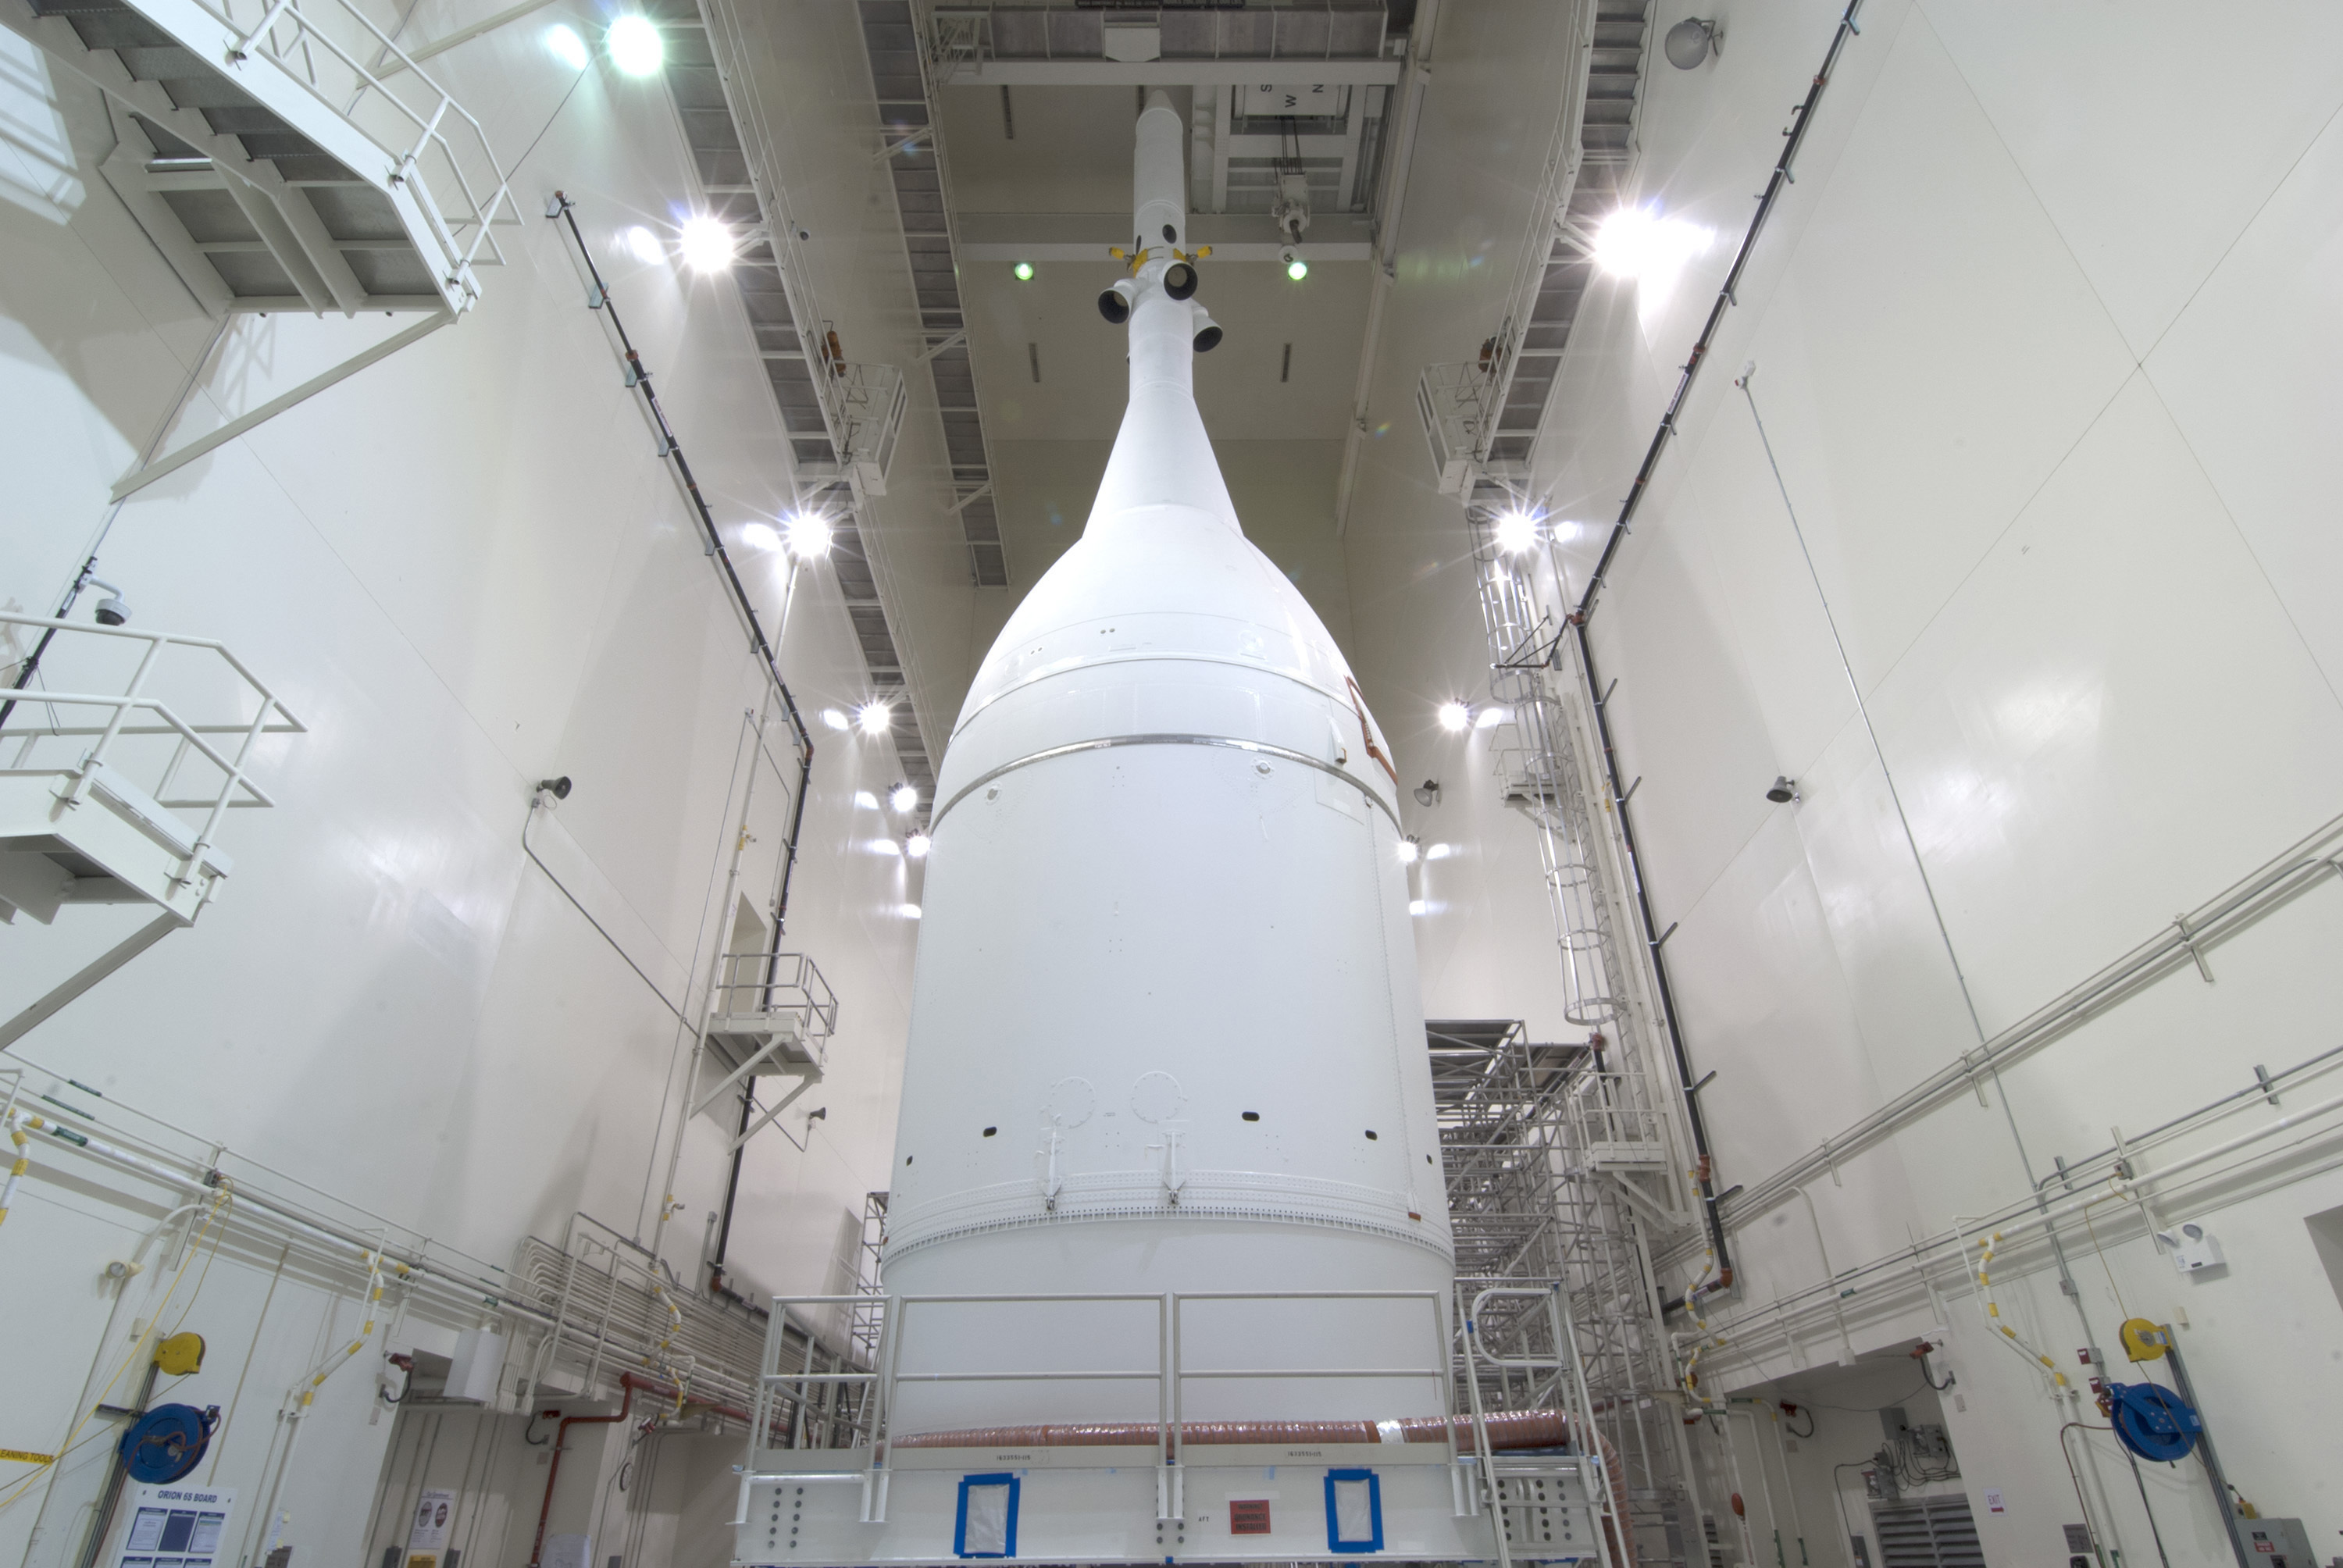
x=1793 y=138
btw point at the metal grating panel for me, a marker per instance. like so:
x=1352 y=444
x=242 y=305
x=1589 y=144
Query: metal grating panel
x=1605 y=133
x=1927 y=1533
x=721 y=160
x=892 y=40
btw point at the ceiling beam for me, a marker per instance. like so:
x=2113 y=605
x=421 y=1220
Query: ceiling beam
x=1225 y=72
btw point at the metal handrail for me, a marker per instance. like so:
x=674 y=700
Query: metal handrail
x=799 y=989
x=262 y=38
x=133 y=700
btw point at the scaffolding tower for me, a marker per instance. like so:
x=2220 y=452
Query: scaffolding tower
x=1567 y=1163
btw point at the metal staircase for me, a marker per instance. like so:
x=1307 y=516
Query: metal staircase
x=108 y=795
x=283 y=158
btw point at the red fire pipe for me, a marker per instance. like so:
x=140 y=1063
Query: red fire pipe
x=629 y=1383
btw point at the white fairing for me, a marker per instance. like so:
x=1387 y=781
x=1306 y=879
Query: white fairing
x=1165 y=1030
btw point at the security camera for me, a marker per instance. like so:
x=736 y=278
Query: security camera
x=113 y=610
x=1690 y=43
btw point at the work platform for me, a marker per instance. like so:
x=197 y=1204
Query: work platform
x=849 y=1466
x=283 y=157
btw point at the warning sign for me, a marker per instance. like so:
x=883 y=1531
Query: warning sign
x=1248 y=1516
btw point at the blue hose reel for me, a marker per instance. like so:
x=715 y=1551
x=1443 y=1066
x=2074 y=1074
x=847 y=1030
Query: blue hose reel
x=2152 y=1420
x=167 y=1441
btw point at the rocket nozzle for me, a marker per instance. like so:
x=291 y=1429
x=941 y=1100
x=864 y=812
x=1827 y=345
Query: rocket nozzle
x=1179 y=280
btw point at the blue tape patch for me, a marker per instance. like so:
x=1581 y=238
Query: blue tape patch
x=1343 y=1497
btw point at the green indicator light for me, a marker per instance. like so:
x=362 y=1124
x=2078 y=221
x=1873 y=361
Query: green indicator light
x=1024 y=271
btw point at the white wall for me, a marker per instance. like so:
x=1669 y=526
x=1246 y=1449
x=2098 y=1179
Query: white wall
x=464 y=570
x=2054 y=431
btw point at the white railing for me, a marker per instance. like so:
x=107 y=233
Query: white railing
x=30 y=718
x=872 y=1453
x=319 y=49
x=779 y=986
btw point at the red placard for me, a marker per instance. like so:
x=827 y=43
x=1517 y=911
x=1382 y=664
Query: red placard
x=1249 y=1516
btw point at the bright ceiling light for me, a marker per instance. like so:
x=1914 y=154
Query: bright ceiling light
x=1297 y=270
x=903 y=798
x=1490 y=718
x=641 y=243
x=876 y=718
x=1516 y=531
x=1407 y=852
x=1022 y=272
x=760 y=536
x=916 y=846
x=1455 y=716
x=707 y=245
x=1636 y=241
x=635 y=45
x=808 y=535
x=835 y=720
x=562 y=42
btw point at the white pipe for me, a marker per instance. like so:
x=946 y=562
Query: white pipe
x=1959 y=1238
x=1838 y=1303
x=1764 y=1482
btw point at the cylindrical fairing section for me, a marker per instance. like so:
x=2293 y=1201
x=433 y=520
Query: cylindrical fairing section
x=1160 y=176
x=1165 y=1030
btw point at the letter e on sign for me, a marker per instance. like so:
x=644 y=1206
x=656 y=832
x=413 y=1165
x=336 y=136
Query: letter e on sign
x=1248 y=1516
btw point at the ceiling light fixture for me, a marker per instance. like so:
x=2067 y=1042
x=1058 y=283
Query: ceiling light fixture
x=635 y=45
x=1690 y=42
x=1296 y=268
x=760 y=536
x=562 y=42
x=835 y=720
x=1022 y=272
x=707 y=245
x=1408 y=850
x=876 y=718
x=1455 y=716
x=810 y=536
x=1516 y=531
x=1784 y=790
x=903 y=798
x=1428 y=792
x=916 y=846
x=1636 y=240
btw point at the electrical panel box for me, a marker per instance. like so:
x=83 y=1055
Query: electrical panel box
x=2277 y=1542
x=1930 y=1443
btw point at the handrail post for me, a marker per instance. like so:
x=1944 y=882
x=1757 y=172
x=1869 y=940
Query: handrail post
x=122 y=706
